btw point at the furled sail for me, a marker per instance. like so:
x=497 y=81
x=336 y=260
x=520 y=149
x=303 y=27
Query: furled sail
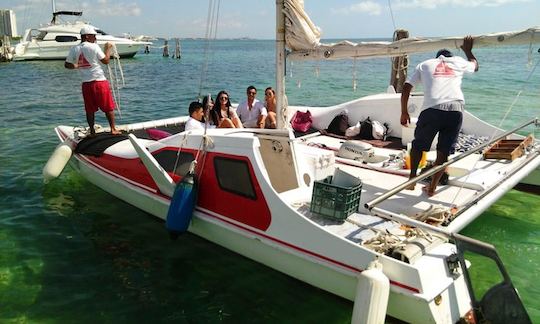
x=300 y=32
x=303 y=39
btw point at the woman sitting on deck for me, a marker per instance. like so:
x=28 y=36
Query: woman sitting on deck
x=270 y=104
x=222 y=114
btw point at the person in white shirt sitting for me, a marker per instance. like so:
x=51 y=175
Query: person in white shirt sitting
x=252 y=112
x=196 y=114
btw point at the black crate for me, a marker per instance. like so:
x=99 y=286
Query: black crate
x=334 y=201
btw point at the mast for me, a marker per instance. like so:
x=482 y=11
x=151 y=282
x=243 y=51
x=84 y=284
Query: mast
x=53 y=6
x=399 y=63
x=281 y=112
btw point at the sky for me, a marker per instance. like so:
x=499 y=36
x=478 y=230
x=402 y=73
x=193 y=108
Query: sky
x=338 y=19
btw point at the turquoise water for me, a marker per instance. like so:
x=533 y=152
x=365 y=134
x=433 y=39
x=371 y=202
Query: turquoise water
x=72 y=253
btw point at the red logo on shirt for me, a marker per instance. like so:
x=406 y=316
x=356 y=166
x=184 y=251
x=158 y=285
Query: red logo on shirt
x=83 y=63
x=443 y=70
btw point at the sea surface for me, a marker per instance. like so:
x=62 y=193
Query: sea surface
x=72 y=253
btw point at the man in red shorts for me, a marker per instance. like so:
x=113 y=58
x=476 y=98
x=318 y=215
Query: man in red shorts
x=86 y=57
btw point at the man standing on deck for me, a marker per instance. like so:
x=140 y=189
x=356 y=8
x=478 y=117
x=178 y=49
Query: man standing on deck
x=86 y=57
x=442 y=110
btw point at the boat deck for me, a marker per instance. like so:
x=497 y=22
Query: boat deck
x=469 y=178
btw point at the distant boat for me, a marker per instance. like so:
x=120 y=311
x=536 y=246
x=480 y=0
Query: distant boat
x=52 y=42
x=144 y=38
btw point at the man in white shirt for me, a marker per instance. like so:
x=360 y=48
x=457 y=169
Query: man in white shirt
x=442 y=110
x=252 y=112
x=196 y=114
x=87 y=58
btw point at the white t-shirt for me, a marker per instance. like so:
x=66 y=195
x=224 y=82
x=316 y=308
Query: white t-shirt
x=87 y=56
x=193 y=123
x=441 y=78
x=248 y=116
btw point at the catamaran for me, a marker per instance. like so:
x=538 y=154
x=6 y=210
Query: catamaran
x=296 y=203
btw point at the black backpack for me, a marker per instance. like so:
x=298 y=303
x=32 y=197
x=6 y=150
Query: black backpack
x=339 y=125
x=366 y=130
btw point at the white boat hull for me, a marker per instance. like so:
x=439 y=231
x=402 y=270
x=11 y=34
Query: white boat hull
x=413 y=308
x=53 y=43
x=328 y=255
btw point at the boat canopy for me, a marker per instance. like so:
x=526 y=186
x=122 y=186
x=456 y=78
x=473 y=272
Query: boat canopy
x=303 y=37
x=64 y=13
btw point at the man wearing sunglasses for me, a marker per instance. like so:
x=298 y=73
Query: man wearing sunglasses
x=252 y=112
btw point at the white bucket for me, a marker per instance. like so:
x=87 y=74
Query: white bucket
x=407 y=134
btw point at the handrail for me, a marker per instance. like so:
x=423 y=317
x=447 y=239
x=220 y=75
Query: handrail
x=369 y=205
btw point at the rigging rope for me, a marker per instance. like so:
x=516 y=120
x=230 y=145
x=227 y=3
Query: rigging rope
x=210 y=35
x=116 y=77
x=392 y=13
x=524 y=83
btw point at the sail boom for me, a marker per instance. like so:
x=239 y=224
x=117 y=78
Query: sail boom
x=365 y=50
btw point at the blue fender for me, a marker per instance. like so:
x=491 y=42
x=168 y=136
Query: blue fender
x=182 y=204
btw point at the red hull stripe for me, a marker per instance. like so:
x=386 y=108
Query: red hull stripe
x=224 y=219
x=343 y=265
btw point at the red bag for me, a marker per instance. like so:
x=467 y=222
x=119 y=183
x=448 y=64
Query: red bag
x=301 y=121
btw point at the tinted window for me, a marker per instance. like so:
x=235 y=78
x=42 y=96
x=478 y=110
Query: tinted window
x=39 y=35
x=64 y=39
x=234 y=176
x=167 y=159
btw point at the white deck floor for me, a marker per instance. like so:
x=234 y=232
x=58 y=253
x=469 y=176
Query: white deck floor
x=463 y=188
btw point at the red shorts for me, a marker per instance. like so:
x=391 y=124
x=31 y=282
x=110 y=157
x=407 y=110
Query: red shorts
x=97 y=94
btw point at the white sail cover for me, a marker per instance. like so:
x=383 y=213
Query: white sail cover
x=303 y=39
x=300 y=32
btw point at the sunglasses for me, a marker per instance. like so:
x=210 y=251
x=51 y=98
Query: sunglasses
x=223 y=98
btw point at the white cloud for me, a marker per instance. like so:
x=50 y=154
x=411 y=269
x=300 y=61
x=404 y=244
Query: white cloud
x=373 y=8
x=370 y=7
x=432 y=4
x=104 y=8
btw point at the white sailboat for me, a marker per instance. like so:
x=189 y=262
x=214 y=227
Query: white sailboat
x=258 y=196
x=53 y=41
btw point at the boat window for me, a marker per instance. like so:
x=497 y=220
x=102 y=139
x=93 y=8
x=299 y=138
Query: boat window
x=167 y=159
x=65 y=39
x=37 y=34
x=101 y=32
x=234 y=176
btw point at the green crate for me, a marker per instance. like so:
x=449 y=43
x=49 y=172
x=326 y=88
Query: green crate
x=334 y=201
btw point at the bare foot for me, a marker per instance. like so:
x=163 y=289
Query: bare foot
x=411 y=187
x=430 y=192
x=115 y=132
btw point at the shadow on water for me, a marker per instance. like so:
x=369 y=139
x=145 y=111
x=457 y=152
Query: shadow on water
x=513 y=227
x=100 y=259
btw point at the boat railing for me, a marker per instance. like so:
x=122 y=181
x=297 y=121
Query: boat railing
x=503 y=293
x=371 y=204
